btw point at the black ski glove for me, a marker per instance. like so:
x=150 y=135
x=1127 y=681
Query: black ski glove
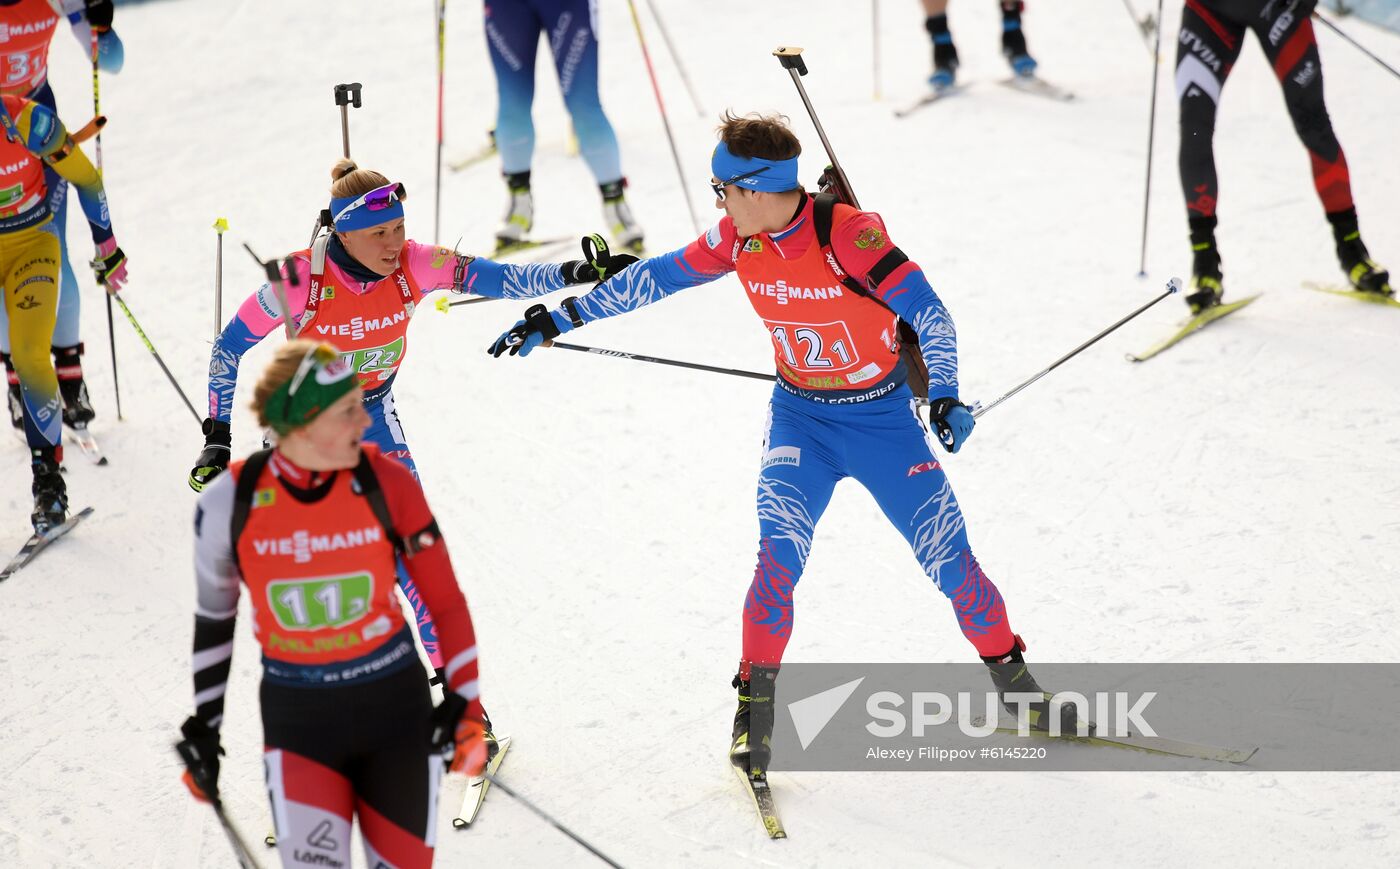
x=200 y=751
x=99 y=14
x=598 y=263
x=218 y=440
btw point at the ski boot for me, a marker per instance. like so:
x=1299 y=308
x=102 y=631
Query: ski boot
x=1364 y=273
x=50 y=492
x=77 y=408
x=1013 y=41
x=1207 y=285
x=16 y=399
x=618 y=215
x=1010 y=676
x=945 y=54
x=520 y=213
x=751 y=747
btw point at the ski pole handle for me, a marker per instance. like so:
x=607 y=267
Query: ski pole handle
x=1173 y=286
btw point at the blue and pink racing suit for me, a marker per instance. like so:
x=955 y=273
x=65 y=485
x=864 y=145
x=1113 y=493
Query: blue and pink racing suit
x=360 y=309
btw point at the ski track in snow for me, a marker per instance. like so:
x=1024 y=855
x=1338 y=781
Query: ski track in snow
x=1232 y=500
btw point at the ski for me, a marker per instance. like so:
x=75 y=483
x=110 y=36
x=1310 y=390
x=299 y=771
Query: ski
x=1034 y=84
x=88 y=443
x=933 y=96
x=543 y=245
x=470 y=160
x=477 y=787
x=1209 y=315
x=38 y=542
x=1148 y=744
x=762 y=796
x=1358 y=295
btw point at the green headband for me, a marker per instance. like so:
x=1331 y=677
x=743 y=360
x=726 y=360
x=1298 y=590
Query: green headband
x=320 y=380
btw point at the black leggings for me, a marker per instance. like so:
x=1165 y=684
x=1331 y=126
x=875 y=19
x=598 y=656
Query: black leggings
x=1212 y=34
x=355 y=749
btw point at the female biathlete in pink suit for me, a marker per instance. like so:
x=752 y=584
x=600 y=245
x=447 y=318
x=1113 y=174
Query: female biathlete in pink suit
x=357 y=287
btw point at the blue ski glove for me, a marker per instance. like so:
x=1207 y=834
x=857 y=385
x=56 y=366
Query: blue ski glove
x=951 y=421
x=539 y=326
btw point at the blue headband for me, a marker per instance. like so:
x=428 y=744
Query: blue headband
x=364 y=215
x=778 y=177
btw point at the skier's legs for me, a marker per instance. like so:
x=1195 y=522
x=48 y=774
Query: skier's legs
x=396 y=796
x=573 y=39
x=386 y=432
x=66 y=330
x=891 y=454
x=312 y=804
x=1291 y=47
x=800 y=469
x=512 y=37
x=29 y=281
x=396 y=782
x=1207 y=47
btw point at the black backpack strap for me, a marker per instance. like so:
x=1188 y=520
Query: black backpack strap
x=248 y=478
x=371 y=491
x=824 y=204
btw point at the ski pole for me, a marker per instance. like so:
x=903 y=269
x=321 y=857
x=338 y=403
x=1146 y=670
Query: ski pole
x=665 y=121
x=188 y=756
x=1173 y=286
x=875 y=47
x=1359 y=47
x=274 y=279
x=1145 y=25
x=791 y=60
x=551 y=820
x=675 y=58
x=441 y=64
x=220 y=227
x=141 y=333
x=1151 y=129
x=97 y=149
x=346 y=95
x=638 y=357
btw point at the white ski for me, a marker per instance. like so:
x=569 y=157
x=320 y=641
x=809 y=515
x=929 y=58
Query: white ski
x=933 y=96
x=477 y=787
x=37 y=543
x=1034 y=84
x=87 y=443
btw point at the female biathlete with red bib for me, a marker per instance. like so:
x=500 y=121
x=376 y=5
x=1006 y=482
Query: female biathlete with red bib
x=314 y=528
x=842 y=406
x=357 y=287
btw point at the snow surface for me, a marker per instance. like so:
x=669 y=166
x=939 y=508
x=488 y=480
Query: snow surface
x=1234 y=500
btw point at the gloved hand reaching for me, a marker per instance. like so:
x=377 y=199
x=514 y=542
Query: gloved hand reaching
x=218 y=440
x=540 y=325
x=598 y=263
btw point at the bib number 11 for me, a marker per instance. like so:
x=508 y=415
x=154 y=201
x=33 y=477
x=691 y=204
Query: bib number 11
x=329 y=602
